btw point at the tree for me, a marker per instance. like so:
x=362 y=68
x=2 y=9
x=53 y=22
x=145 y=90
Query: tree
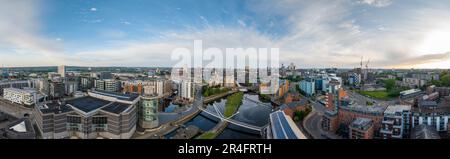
x=445 y=80
x=389 y=84
x=300 y=115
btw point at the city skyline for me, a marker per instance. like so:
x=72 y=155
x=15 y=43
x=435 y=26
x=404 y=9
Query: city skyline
x=391 y=34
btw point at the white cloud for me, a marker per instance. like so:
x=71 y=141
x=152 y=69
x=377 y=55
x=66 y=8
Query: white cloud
x=332 y=37
x=20 y=36
x=323 y=40
x=93 y=9
x=114 y=34
x=126 y=22
x=376 y=3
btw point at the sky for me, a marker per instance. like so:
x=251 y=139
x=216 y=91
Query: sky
x=308 y=33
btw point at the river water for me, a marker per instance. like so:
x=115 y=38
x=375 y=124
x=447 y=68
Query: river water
x=249 y=112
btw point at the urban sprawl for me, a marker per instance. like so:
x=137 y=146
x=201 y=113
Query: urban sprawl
x=68 y=102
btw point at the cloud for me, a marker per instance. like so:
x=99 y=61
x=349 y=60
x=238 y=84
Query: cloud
x=20 y=35
x=157 y=52
x=424 y=59
x=376 y=3
x=113 y=34
x=333 y=37
x=125 y=22
x=319 y=33
x=93 y=9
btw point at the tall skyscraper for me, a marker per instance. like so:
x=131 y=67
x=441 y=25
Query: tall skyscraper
x=62 y=70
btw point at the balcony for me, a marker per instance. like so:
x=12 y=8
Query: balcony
x=397 y=126
x=388 y=122
x=383 y=131
x=398 y=136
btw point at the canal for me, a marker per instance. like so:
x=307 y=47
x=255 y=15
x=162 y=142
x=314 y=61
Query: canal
x=249 y=112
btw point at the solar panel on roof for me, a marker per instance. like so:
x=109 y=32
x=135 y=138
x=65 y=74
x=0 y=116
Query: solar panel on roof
x=286 y=127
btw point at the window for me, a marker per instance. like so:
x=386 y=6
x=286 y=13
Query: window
x=74 y=119
x=99 y=120
x=99 y=124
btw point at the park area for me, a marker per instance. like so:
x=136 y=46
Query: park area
x=376 y=94
x=233 y=103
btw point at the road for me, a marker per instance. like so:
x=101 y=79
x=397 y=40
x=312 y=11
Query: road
x=312 y=122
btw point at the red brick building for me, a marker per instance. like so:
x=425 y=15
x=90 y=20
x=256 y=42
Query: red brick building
x=330 y=121
x=346 y=115
x=294 y=106
x=361 y=128
x=291 y=97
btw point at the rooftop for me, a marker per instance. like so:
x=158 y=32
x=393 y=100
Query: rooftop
x=120 y=96
x=116 y=108
x=361 y=123
x=427 y=103
x=87 y=103
x=392 y=109
x=54 y=107
x=294 y=104
x=410 y=91
x=283 y=127
x=377 y=109
x=424 y=132
x=24 y=90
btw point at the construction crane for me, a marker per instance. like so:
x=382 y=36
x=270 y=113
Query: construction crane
x=361 y=66
x=367 y=64
x=366 y=71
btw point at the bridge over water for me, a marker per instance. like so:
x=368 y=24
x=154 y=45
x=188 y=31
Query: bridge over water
x=219 y=115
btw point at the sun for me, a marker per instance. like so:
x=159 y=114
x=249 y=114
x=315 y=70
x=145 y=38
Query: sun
x=435 y=42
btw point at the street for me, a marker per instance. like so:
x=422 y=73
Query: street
x=312 y=122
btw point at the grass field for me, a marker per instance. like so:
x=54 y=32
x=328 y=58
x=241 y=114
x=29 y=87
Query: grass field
x=376 y=94
x=207 y=135
x=233 y=103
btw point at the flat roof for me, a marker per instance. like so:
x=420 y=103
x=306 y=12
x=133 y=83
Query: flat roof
x=361 y=123
x=116 y=107
x=282 y=128
x=410 y=91
x=87 y=103
x=424 y=132
x=397 y=108
x=365 y=109
x=55 y=108
x=294 y=104
x=120 y=96
x=23 y=90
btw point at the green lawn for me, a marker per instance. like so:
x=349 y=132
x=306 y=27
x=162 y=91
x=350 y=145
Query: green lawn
x=376 y=94
x=207 y=135
x=233 y=103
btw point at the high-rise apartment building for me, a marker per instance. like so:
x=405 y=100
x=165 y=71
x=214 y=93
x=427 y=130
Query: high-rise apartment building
x=396 y=123
x=109 y=85
x=62 y=70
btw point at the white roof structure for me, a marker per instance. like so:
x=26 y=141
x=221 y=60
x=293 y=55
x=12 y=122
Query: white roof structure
x=21 y=127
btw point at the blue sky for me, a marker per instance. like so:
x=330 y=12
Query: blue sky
x=319 y=33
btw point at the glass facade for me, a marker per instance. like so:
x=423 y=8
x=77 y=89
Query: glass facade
x=148 y=115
